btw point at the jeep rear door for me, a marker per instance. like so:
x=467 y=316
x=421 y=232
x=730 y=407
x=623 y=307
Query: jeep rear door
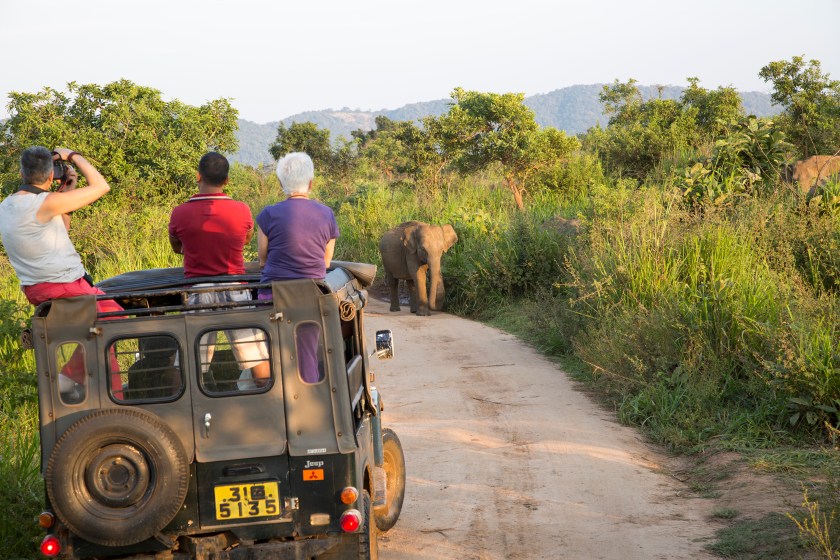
x=234 y=417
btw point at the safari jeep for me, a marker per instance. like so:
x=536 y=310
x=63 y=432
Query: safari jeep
x=159 y=440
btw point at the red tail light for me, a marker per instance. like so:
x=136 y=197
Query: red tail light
x=50 y=546
x=350 y=521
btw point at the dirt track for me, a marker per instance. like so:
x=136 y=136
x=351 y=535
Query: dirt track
x=506 y=460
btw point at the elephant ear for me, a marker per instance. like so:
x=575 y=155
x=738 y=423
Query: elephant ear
x=410 y=239
x=449 y=237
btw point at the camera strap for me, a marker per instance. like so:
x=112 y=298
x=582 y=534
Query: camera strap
x=31 y=189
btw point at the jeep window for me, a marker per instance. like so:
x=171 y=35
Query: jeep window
x=227 y=358
x=145 y=368
x=72 y=380
x=309 y=347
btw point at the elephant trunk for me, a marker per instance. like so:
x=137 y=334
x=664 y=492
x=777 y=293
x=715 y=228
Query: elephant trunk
x=436 y=290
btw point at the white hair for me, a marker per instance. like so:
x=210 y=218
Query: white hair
x=295 y=171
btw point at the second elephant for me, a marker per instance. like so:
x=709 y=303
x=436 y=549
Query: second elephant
x=410 y=251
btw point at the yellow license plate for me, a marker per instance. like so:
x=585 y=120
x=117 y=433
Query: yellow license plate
x=244 y=501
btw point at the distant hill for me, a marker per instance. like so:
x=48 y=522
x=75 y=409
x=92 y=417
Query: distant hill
x=574 y=109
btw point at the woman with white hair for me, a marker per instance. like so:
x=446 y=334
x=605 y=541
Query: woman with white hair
x=296 y=239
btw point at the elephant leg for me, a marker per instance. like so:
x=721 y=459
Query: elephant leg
x=436 y=298
x=393 y=286
x=412 y=295
x=422 y=291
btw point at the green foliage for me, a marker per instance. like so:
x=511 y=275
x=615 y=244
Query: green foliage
x=486 y=128
x=806 y=365
x=714 y=108
x=826 y=197
x=811 y=101
x=643 y=134
x=383 y=148
x=818 y=521
x=768 y=538
x=22 y=490
x=303 y=137
x=142 y=144
x=573 y=179
x=747 y=159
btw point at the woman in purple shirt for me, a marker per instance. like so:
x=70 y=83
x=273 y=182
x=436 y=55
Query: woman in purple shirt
x=296 y=239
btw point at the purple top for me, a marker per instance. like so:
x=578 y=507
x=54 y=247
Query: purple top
x=298 y=230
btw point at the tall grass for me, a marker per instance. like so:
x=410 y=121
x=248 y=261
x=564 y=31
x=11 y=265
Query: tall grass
x=21 y=491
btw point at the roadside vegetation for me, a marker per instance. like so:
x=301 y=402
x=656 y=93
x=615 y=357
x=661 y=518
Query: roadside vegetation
x=666 y=258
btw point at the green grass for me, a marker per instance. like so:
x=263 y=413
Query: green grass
x=725 y=513
x=770 y=538
x=21 y=497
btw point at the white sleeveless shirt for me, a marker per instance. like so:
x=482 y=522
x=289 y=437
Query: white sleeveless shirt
x=38 y=252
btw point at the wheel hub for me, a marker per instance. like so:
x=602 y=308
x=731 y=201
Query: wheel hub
x=118 y=476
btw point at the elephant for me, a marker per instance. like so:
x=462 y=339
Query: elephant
x=409 y=251
x=812 y=172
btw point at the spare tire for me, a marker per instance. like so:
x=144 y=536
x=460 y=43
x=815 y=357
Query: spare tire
x=117 y=476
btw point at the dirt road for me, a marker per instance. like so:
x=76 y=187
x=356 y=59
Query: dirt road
x=506 y=459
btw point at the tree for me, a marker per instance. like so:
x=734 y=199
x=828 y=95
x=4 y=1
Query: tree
x=812 y=104
x=403 y=148
x=425 y=154
x=641 y=134
x=136 y=139
x=485 y=128
x=380 y=146
x=621 y=101
x=304 y=137
x=715 y=108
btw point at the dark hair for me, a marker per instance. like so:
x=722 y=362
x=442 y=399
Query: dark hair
x=36 y=164
x=213 y=168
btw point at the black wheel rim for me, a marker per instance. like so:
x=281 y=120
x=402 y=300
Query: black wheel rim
x=117 y=476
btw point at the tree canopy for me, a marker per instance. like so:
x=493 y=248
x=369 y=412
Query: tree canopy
x=135 y=138
x=485 y=128
x=812 y=104
x=303 y=137
x=641 y=133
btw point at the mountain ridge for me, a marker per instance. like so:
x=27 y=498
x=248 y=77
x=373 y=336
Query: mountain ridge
x=574 y=109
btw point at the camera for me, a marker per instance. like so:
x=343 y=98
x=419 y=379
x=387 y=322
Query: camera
x=59 y=170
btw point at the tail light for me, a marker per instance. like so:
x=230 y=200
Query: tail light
x=349 y=496
x=350 y=521
x=46 y=519
x=50 y=546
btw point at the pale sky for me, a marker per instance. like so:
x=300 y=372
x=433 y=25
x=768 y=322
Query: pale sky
x=275 y=58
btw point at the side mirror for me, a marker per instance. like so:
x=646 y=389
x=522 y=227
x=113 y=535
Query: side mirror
x=384 y=345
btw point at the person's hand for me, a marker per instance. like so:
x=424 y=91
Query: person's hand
x=63 y=153
x=71 y=179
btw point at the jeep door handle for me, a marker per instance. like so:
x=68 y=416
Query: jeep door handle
x=207 y=418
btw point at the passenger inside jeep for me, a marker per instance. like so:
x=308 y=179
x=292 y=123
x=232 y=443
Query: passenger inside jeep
x=154 y=373
x=227 y=359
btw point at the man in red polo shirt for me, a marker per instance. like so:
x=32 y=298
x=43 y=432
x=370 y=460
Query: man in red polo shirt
x=211 y=231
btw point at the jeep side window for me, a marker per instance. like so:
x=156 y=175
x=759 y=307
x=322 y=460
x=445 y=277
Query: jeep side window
x=145 y=368
x=229 y=358
x=72 y=380
x=309 y=347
